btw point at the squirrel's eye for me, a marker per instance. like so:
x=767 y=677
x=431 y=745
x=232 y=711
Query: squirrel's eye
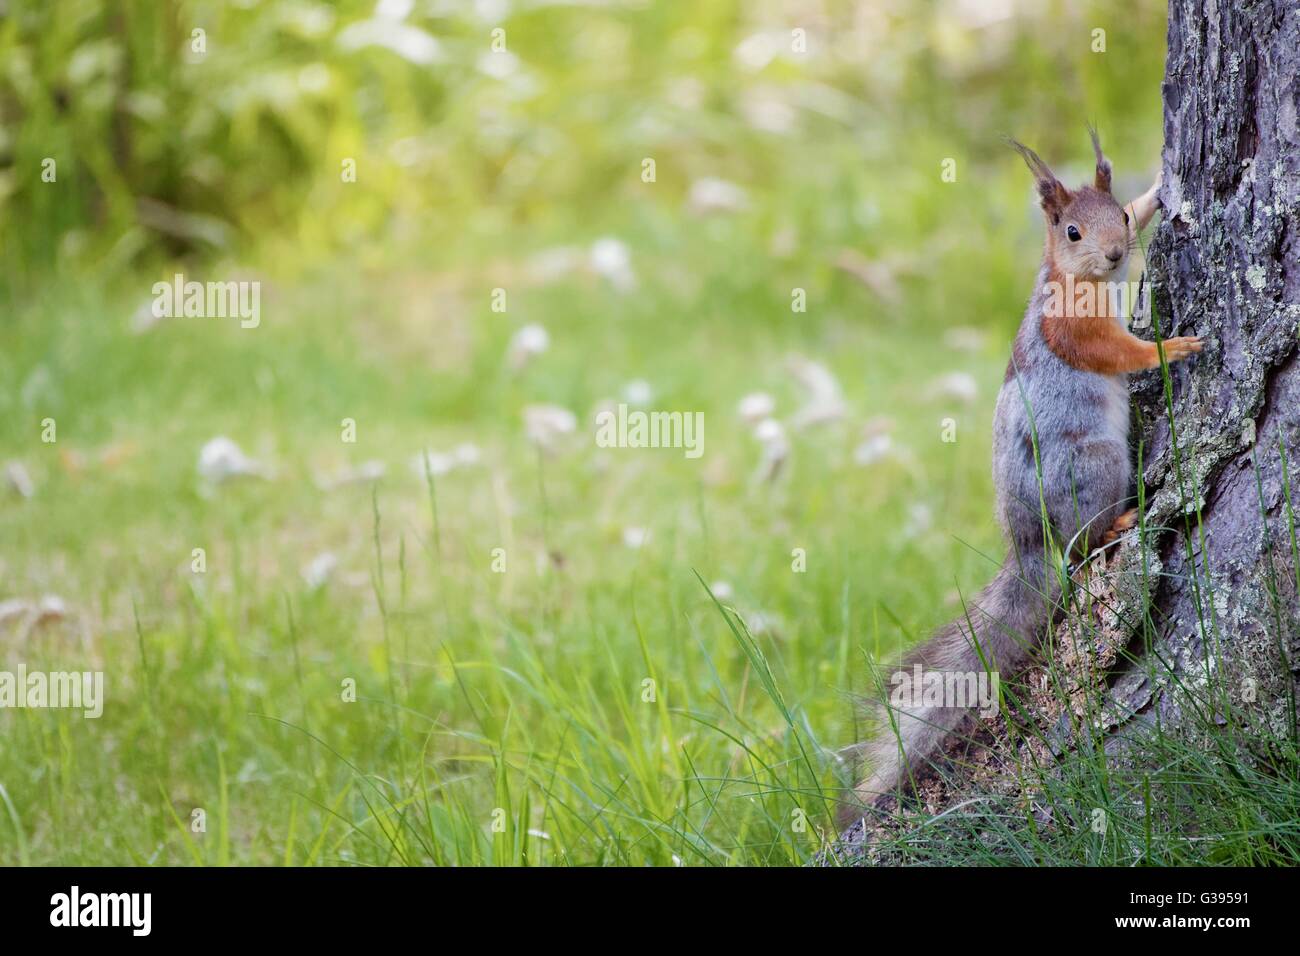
x=1073 y=233
x=1126 y=217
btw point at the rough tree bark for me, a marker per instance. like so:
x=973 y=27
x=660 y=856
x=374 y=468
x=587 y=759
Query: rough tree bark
x=1223 y=265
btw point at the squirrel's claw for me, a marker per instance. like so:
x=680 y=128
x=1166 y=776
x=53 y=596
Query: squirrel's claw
x=1181 y=347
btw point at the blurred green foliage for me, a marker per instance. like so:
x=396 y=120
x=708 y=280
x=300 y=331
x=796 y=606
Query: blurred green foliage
x=171 y=143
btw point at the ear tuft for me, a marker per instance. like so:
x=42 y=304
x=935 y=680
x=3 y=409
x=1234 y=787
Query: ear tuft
x=1102 y=179
x=1032 y=159
x=1053 y=196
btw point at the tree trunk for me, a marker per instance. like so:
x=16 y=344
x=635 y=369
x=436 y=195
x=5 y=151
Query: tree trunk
x=1223 y=266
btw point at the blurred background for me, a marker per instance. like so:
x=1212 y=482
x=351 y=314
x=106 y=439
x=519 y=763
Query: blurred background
x=466 y=140
x=474 y=225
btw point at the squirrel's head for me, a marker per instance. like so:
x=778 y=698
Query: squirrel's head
x=1088 y=232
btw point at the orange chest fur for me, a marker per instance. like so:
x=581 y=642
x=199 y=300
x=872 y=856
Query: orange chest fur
x=1080 y=326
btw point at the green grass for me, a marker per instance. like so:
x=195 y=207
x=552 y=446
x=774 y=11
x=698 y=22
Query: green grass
x=505 y=717
x=515 y=698
x=519 y=698
x=478 y=692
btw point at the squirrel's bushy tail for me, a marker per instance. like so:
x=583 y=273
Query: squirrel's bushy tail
x=1007 y=619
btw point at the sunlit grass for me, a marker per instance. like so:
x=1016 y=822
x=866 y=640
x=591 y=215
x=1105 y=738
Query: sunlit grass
x=518 y=694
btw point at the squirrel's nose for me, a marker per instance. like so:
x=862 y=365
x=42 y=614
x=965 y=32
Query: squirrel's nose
x=1115 y=253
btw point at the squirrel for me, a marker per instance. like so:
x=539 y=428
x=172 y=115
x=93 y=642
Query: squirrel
x=1060 y=461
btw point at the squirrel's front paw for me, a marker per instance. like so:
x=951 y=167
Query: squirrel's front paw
x=1181 y=347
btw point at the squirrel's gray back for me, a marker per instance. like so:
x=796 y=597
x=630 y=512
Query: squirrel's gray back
x=1080 y=420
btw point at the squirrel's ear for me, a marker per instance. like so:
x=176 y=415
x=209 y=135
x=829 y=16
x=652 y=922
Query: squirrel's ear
x=1052 y=194
x=1102 y=179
